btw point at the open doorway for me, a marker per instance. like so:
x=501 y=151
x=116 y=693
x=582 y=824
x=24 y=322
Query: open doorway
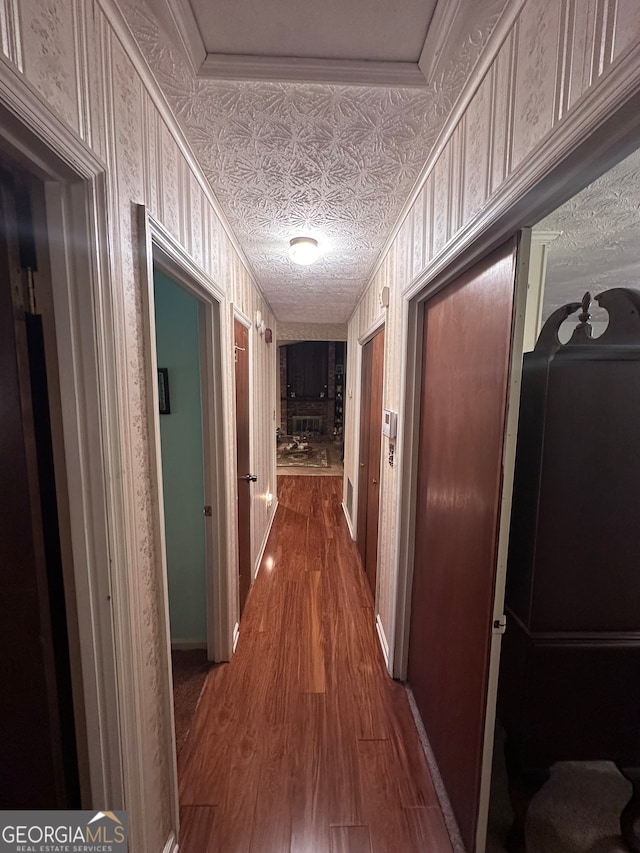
x=42 y=714
x=185 y=516
x=568 y=696
x=310 y=433
x=182 y=314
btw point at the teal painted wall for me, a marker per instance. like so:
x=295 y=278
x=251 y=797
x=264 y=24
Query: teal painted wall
x=176 y=313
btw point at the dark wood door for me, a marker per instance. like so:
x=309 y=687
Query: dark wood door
x=465 y=372
x=37 y=733
x=369 y=458
x=241 y=334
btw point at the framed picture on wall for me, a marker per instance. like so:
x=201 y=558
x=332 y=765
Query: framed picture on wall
x=163 y=391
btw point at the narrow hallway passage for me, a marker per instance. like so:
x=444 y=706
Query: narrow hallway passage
x=303 y=744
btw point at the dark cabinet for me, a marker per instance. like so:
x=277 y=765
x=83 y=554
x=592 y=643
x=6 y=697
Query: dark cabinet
x=570 y=666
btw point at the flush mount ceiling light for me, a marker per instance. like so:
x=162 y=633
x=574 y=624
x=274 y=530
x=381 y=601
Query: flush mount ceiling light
x=303 y=250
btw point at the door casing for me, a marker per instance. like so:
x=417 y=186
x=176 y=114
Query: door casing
x=159 y=248
x=244 y=458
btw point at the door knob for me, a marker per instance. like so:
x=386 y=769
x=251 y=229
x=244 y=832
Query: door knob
x=251 y=478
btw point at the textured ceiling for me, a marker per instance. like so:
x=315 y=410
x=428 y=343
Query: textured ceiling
x=599 y=242
x=333 y=162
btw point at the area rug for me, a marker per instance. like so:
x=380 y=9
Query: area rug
x=312 y=457
x=190 y=670
x=576 y=811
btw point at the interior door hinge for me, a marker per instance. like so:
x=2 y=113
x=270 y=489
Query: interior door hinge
x=500 y=625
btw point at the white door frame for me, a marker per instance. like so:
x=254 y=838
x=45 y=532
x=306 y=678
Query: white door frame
x=592 y=139
x=159 y=248
x=241 y=317
x=76 y=204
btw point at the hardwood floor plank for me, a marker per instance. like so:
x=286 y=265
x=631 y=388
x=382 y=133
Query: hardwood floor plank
x=312 y=672
x=271 y=831
x=303 y=742
x=197 y=828
x=393 y=826
x=350 y=839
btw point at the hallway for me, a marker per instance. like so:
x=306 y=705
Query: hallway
x=303 y=743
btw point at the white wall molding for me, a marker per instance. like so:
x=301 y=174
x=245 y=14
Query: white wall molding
x=437 y=37
x=171 y=845
x=384 y=645
x=348 y=520
x=10 y=33
x=236 y=635
x=187 y=31
x=373 y=329
x=346 y=72
x=265 y=538
x=22 y=100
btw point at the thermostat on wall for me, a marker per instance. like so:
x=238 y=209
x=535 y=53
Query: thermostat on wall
x=389 y=419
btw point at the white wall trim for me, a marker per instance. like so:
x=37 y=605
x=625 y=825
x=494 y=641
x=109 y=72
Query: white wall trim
x=348 y=520
x=188 y=32
x=239 y=315
x=265 y=538
x=24 y=102
x=384 y=645
x=171 y=844
x=236 y=635
x=437 y=37
x=11 y=33
x=373 y=329
x=346 y=72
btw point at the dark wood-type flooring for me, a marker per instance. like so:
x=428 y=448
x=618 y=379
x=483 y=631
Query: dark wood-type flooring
x=303 y=744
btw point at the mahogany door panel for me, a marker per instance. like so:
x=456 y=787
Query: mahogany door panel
x=375 y=445
x=363 y=458
x=241 y=336
x=465 y=371
x=369 y=454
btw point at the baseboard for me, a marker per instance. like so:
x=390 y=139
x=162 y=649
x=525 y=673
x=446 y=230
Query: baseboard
x=348 y=518
x=384 y=645
x=258 y=563
x=450 y=821
x=187 y=643
x=171 y=845
x=236 y=634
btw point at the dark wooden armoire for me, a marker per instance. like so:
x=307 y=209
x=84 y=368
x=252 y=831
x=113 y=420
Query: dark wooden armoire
x=570 y=667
